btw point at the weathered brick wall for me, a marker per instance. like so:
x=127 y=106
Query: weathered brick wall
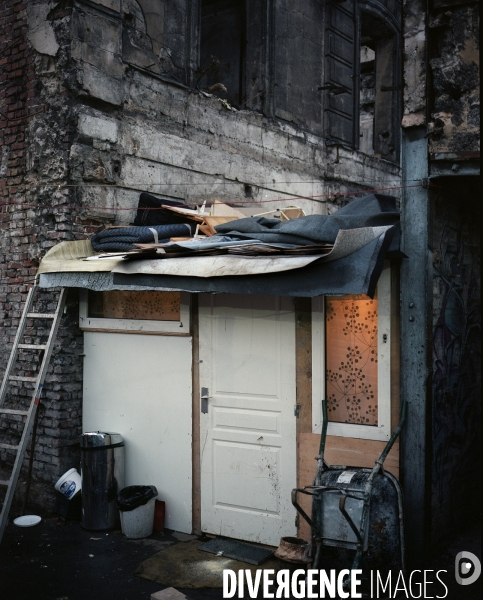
x=456 y=380
x=35 y=115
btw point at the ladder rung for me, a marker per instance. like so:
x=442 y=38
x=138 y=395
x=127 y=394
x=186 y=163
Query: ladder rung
x=41 y=315
x=11 y=411
x=4 y=481
x=33 y=346
x=20 y=378
x=8 y=446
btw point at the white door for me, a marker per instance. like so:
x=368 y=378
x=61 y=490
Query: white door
x=248 y=434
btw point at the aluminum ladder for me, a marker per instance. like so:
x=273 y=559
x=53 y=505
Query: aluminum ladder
x=38 y=380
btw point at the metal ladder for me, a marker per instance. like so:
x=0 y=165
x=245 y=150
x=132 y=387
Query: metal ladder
x=38 y=380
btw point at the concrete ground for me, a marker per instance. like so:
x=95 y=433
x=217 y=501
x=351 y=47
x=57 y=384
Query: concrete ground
x=58 y=560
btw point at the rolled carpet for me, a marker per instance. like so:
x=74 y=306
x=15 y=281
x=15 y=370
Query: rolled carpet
x=120 y=239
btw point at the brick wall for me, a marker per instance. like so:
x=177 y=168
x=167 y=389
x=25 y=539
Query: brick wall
x=35 y=116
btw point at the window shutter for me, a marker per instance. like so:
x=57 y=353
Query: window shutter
x=298 y=63
x=339 y=84
x=385 y=108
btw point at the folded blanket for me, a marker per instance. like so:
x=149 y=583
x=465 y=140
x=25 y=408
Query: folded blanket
x=119 y=239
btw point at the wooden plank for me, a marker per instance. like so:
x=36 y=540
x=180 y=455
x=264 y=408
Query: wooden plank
x=303 y=363
x=220 y=220
x=138 y=332
x=154 y=306
x=303 y=382
x=220 y=209
x=338 y=451
x=196 y=460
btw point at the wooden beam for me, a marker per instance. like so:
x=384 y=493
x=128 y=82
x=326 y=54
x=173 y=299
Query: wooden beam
x=303 y=382
x=196 y=464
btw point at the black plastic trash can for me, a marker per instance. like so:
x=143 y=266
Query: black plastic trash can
x=102 y=471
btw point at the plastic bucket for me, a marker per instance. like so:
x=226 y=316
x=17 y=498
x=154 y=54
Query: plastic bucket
x=138 y=523
x=69 y=484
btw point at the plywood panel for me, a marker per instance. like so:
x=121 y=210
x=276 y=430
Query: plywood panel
x=338 y=451
x=140 y=386
x=153 y=306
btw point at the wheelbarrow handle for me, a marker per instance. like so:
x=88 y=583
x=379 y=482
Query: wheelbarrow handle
x=299 y=509
x=392 y=439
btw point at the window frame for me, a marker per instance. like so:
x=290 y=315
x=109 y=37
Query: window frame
x=377 y=9
x=179 y=327
x=382 y=431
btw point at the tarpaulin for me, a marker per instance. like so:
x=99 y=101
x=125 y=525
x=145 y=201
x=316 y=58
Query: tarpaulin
x=374 y=210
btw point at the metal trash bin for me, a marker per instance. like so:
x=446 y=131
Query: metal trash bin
x=102 y=472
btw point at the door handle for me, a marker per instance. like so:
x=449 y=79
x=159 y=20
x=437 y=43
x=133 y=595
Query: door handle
x=204 y=399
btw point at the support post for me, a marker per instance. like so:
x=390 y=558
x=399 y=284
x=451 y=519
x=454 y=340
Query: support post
x=416 y=287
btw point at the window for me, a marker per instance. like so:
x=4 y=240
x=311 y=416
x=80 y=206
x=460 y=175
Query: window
x=378 y=97
x=362 y=80
x=143 y=32
x=351 y=363
x=135 y=312
x=222 y=48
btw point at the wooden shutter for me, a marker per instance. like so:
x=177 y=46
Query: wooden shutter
x=298 y=62
x=339 y=85
x=385 y=122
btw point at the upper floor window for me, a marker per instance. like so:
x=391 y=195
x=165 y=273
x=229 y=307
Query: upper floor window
x=362 y=77
x=222 y=48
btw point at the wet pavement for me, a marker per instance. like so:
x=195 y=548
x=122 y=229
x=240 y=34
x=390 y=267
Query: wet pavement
x=58 y=560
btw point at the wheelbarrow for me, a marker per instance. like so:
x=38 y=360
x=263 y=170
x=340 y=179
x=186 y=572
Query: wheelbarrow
x=356 y=509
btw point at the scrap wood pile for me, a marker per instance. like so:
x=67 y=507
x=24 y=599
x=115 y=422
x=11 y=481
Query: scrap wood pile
x=167 y=229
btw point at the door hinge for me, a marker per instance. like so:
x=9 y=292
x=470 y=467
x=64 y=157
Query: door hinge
x=296 y=410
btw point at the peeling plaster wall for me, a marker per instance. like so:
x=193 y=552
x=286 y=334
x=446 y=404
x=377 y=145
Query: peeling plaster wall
x=146 y=134
x=414 y=85
x=454 y=63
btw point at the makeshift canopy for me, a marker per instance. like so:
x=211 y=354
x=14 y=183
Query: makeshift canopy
x=361 y=234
